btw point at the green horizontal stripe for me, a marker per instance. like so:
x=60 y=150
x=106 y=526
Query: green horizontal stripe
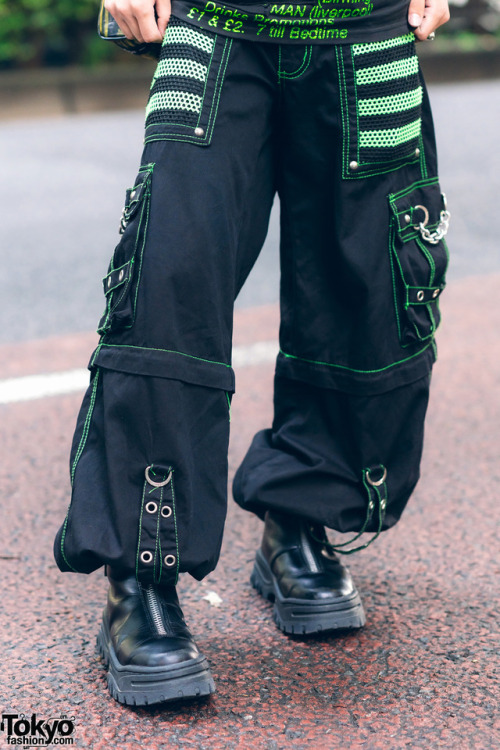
x=174 y=100
x=364 y=49
x=181 y=35
x=181 y=67
x=388 y=72
x=389 y=138
x=385 y=105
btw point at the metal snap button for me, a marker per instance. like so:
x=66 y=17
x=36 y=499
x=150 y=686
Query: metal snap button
x=417 y=152
x=435 y=293
x=353 y=165
x=420 y=295
x=132 y=194
x=146 y=557
x=407 y=218
x=199 y=131
x=169 y=560
x=166 y=511
x=121 y=275
x=109 y=282
x=151 y=507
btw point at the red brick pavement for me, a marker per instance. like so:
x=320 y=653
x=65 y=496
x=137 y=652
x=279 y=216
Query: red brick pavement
x=423 y=673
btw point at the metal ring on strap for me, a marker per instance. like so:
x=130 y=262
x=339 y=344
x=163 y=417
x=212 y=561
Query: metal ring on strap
x=426 y=217
x=157 y=484
x=379 y=481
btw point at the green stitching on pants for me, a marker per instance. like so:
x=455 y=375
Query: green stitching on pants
x=175 y=528
x=140 y=532
x=306 y=61
x=86 y=427
x=351 y=369
x=167 y=351
x=158 y=540
x=81 y=446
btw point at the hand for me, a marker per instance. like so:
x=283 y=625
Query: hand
x=138 y=20
x=427 y=15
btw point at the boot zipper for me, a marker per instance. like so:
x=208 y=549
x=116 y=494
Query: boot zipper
x=308 y=552
x=154 y=609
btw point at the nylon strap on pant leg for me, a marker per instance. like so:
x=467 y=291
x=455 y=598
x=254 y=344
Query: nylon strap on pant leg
x=157 y=559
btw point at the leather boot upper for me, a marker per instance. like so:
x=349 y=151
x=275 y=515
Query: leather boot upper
x=304 y=567
x=146 y=623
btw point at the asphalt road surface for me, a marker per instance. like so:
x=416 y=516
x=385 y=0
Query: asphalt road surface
x=63 y=189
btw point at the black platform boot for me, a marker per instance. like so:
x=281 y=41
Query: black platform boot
x=147 y=647
x=311 y=590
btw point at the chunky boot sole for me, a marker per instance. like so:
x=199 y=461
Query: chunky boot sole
x=144 y=686
x=300 y=616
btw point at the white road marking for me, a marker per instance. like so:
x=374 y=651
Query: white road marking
x=31 y=387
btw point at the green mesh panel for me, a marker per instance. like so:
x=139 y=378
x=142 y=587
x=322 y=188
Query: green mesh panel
x=184 y=35
x=179 y=83
x=179 y=67
x=389 y=138
x=168 y=100
x=390 y=104
x=388 y=72
x=363 y=49
x=388 y=99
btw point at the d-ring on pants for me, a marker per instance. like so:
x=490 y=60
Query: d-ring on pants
x=344 y=135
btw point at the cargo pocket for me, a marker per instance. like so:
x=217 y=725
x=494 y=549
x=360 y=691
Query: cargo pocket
x=381 y=98
x=419 y=258
x=122 y=280
x=187 y=84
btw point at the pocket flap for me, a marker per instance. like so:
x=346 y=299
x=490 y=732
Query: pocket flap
x=116 y=278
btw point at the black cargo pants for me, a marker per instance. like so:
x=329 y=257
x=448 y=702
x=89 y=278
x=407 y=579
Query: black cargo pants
x=344 y=135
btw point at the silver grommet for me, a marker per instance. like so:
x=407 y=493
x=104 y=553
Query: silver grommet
x=420 y=295
x=379 y=481
x=109 y=282
x=169 y=560
x=146 y=557
x=435 y=293
x=353 y=165
x=407 y=218
x=199 y=131
x=166 y=511
x=417 y=152
x=151 y=507
x=121 y=275
x=156 y=484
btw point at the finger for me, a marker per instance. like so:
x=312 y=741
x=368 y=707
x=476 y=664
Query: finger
x=126 y=26
x=163 y=8
x=124 y=18
x=416 y=12
x=147 y=25
x=435 y=15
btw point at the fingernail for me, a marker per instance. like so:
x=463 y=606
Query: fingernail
x=415 y=19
